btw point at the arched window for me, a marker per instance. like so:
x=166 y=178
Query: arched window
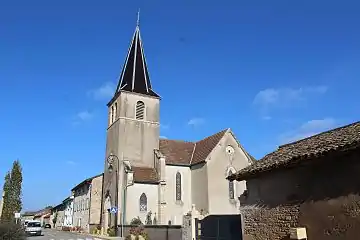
x=178 y=186
x=143 y=203
x=140 y=110
x=112 y=115
x=231 y=187
x=115 y=111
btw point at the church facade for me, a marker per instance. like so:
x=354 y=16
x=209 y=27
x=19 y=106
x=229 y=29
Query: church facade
x=144 y=173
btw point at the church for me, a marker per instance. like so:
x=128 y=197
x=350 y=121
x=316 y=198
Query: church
x=144 y=173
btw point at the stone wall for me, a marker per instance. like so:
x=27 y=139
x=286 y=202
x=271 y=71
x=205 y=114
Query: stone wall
x=262 y=223
x=96 y=200
x=324 y=197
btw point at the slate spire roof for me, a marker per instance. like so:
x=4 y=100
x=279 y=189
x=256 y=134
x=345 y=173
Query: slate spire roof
x=135 y=75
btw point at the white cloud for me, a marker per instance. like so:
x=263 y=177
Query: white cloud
x=285 y=97
x=84 y=115
x=196 y=122
x=104 y=92
x=163 y=137
x=308 y=129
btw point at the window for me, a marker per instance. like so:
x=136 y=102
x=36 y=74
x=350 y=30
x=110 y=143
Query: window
x=231 y=187
x=115 y=111
x=140 y=110
x=178 y=186
x=143 y=203
x=112 y=114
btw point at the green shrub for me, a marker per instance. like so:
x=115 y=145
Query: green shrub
x=11 y=231
x=136 y=221
x=111 y=232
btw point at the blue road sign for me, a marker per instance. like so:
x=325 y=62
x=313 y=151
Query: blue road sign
x=113 y=210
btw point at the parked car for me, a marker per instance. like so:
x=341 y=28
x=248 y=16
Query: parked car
x=47 y=226
x=33 y=228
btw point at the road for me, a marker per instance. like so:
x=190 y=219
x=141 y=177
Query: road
x=60 y=235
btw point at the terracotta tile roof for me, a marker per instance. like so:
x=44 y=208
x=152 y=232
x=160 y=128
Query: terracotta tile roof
x=337 y=139
x=204 y=147
x=188 y=153
x=176 y=152
x=145 y=175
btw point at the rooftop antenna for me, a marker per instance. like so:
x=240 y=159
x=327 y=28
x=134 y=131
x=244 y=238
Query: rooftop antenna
x=138 y=18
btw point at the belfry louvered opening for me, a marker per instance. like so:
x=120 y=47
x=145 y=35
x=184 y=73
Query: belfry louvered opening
x=140 y=110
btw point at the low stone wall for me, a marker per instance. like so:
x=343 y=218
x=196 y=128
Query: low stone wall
x=264 y=223
x=330 y=219
x=158 y=232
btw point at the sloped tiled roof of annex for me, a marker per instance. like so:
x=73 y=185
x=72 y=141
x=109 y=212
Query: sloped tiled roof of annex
x=341 y=138
x=190 y=153
x=145 y=175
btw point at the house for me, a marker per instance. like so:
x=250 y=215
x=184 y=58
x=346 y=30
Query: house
x=145 y=174
x=312 y=183
x=87 y=203
x=58 y=213
x=68 y=211
x=57 y=216
x=43 y=216
x=28 y=216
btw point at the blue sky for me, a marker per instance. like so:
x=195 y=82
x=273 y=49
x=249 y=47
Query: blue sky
x=273 y=71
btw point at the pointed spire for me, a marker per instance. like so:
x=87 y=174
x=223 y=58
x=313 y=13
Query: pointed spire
x=135 y=76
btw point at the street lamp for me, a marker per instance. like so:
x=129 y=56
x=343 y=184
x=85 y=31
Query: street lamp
x=129 y=181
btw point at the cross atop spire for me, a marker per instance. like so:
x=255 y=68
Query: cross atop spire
x=135 y=76
x=138 y=18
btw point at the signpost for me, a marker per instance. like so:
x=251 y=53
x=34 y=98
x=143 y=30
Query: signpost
x=17 y=216
x=113 y=210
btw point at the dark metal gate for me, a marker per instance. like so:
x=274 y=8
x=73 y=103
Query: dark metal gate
x=219 y=227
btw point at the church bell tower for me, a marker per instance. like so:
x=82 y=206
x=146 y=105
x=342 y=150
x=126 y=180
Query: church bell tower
x=133 y=112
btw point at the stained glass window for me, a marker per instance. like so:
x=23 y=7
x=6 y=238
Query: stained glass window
x=231 y=187
x=143 y=203
x=231 y=190
x=178 y=186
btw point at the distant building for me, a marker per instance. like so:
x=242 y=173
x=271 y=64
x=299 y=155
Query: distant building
x=58 y=213
x=43 y=216
x=28 y=216
x=68 y=211
x=87 y=203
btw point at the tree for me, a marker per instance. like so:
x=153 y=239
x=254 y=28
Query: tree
x=16 y=189
x=12 y=193
x=6 y=211
x=55 y=219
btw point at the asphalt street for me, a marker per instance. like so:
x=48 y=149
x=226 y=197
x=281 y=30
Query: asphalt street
x=49 y=234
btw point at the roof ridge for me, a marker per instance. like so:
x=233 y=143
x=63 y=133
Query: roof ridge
x=192 y=154
x=222 y=131
x=177 y=140
x=319 y=134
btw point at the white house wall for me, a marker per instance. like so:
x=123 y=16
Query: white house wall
x=133 y=201
x=81 y=208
